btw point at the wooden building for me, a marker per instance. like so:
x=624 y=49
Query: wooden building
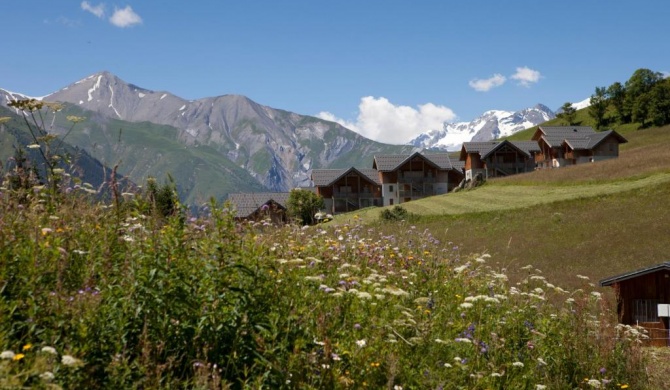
x=570 y=145
x=409 y=177
x=638 y=294
x=498 y=158
x=259 y=206
x=346 y=190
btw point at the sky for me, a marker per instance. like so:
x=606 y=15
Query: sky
x=388 y=69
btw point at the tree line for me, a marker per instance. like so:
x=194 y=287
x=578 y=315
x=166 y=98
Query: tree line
x=643 y=99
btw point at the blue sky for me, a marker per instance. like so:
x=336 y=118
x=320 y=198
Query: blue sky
x=388 y=69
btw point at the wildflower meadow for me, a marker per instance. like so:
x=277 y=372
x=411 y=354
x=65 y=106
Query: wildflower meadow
x=113 y=294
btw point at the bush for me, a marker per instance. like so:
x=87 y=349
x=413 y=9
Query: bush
x=397 y=213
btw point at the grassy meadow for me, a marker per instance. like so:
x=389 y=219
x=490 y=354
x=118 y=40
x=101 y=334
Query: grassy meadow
x=595 y=219
x=493 y=288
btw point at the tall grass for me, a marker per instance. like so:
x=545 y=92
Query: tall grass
x=117 y=296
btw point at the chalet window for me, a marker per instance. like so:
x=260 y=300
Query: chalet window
x=645 y=310
x=391 y=189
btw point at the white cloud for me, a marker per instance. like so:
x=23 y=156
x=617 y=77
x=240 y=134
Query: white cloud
x=97 y=10
x=125 y=17
x=380 y=120
x=526 y=76
x=483 y=85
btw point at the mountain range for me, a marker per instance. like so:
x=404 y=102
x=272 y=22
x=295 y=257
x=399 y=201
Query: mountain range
x=218 y=145
x=211 y=146
x=490 y=125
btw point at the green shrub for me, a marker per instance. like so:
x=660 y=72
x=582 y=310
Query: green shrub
x=397 y=213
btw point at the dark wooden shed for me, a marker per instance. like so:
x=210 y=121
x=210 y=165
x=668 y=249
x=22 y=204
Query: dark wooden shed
x=638 y=294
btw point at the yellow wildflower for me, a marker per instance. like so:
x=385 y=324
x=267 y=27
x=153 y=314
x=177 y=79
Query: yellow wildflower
x=18 y=356
x=27 y=346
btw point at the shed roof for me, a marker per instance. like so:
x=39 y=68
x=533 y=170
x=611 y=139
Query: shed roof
x=247 y=203
x=325 y=177
x=634 y=274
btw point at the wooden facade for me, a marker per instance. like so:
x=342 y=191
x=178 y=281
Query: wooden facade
x=347 y=190
x=260 y=206
x=497 y=159
x=571 y=145
x=638 y=294
x=410 y=177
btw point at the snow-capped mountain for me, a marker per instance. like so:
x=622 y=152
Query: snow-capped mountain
x=490 y=125
x=277 y=148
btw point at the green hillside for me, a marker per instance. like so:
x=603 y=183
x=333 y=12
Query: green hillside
x=594 y=219
x=15 y=134
x=144 y=149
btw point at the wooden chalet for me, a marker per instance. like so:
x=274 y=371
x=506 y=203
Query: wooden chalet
x=569 y=145
x=498 y=158
x=638 y=294
x=408 y=177
x=259 y=206
x=346 y=190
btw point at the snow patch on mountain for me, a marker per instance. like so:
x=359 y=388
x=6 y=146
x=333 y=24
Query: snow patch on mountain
x=583 y=104
x=490 y=125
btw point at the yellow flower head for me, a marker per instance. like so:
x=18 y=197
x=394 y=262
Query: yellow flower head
x=27 y=347
x=18 y=357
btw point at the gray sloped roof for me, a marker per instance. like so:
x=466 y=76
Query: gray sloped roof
x=388 y=162
x=633 y=274
x=458 y=165
x=479 y=147
x=247 y=204
x=442 y=160
x=486 y=148
x=325 y=177
x=590 y=141
x=527 y=146
x=565 y=131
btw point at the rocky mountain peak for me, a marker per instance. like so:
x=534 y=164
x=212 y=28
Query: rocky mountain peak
x=490 y=125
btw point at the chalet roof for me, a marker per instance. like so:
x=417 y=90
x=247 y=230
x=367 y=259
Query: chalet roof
x=326 y=177
x=458 y=165
x=391 y=162
x=486 y=148
x=593 y=140
x=562 y=132
x=634 y=274
x=247 y=204
x=529 y=147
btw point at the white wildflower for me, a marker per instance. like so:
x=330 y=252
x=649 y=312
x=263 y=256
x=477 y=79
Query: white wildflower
x=517 y=364
x=465 y=305
x=361 y=343
x=448 y=365
x=47 y=376
x=69 y=360
x=50 y=350
x=540 y=387
x=583 y=277
x=541 y=361
x=595 y=383
x=463 y=340
x=33 y=146
x=7 y=355
x=596 y=294
x=496 y=374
